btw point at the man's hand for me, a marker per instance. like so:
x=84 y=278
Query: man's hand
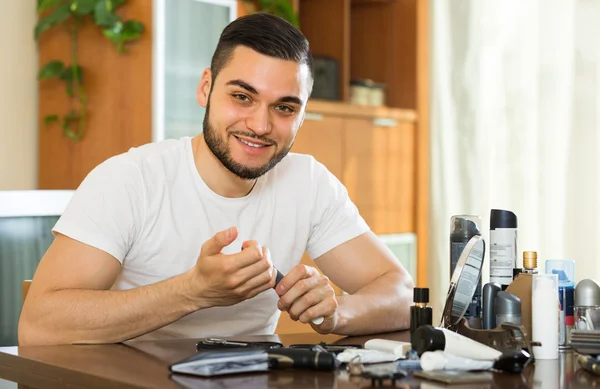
x=222 y=280
x=306 y=295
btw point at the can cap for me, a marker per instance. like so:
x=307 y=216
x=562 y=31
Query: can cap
x=421 y=295
x=465 y=225
x=507 y=304
x=530 y=259
x=428 y=338
x=564 y=268
x=500 y=218
x=587 y=294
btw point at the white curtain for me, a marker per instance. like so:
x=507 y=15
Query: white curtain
x=515 y=122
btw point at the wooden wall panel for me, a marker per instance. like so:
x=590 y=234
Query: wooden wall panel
x=422 y=143
x=119 y=90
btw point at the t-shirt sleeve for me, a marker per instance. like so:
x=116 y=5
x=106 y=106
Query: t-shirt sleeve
x=335 y=218
x=107 y=209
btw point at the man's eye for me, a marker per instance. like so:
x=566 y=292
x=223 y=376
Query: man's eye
x=285 y=108
x=241 y=97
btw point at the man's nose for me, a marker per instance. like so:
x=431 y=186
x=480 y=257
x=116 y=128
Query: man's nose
x=258 y=121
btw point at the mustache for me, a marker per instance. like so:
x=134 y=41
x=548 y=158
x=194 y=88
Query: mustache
x=252 y=135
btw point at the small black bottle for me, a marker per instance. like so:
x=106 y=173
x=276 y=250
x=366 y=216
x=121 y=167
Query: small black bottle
x=420 y=313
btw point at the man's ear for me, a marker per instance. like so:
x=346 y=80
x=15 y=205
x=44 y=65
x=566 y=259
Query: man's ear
x=203 y=90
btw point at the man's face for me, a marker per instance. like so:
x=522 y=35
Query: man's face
x=253 y=110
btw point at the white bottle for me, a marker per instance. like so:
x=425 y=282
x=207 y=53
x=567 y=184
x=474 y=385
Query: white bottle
x=544 y=315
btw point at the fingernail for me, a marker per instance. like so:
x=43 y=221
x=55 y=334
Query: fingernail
x=280 y=289
x=228 y=233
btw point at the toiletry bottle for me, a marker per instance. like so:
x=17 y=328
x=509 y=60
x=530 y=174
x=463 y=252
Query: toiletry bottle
x=544 y=315
x=490 y=290
x=428 y=338
x=420 y=313
x=521 y=287
x=587 y=300
x=507 y=308
x=462 y=229
x=503 y=246
x=565 y=269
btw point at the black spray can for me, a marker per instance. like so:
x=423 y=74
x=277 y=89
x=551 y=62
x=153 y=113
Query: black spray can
x=462 y=229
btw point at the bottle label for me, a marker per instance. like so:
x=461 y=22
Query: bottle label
x=566 y=320
x=503 y=255
x=470 y=276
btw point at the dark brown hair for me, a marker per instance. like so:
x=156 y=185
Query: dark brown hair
x=266 y=34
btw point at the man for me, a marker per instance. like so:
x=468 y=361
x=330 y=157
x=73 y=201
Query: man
x=182 y=238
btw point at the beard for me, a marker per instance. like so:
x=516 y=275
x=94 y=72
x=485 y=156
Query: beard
x=218 y=146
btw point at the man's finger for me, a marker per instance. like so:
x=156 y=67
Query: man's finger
x=259 y=266
x=221 y=239
x=249 y=243
x=298 y=273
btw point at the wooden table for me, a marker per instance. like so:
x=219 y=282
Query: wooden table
x=145 y=364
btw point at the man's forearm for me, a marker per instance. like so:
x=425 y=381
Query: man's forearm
x=382 y=306
x=104 y=316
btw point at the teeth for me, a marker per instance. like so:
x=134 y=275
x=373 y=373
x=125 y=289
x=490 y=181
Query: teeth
x=250 y=144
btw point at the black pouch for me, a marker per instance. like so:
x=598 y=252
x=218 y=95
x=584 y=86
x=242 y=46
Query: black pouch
x=219 y=344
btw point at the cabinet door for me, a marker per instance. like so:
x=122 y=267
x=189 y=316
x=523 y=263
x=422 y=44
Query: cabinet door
x=321 y=137
x=379 y=162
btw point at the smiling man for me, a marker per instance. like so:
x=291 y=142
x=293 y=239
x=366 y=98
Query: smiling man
x=182 y=238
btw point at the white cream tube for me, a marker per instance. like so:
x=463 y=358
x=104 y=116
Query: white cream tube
x=440 y=360
x=461 y=346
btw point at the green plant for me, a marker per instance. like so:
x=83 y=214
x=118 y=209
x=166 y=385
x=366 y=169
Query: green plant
x=70 y=14
x=281 y=8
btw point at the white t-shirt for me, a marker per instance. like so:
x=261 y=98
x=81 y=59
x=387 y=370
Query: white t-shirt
x=151 y=210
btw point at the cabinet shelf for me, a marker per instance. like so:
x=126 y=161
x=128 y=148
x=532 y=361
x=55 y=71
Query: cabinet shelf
x=359 y=111
x=369 y=39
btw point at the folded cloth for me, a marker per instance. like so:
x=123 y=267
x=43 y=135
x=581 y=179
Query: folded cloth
x=366 y=356
x=440 y=360
x=392 y=346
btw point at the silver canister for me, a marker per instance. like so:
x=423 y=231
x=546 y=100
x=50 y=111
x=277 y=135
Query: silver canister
x=587 y=305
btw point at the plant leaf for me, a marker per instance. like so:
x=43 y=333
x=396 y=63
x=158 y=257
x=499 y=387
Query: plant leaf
x=68 y=120
x=69 y=73
x=82 y=7
x=114 y=33
x=285 y=9
x=50 y=119
x=266 y=4
x=103 y=13
x=68 y=76
x=116 y=3
x=132 y=29
x=59 y=15
x=50 y=70
x=44 y=5
x=120 y=33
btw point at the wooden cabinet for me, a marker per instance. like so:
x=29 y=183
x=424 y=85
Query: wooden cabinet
x=379 y=173
x=372 y=152
x=321 y=137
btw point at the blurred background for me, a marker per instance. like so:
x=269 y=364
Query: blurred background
x=424 y=109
